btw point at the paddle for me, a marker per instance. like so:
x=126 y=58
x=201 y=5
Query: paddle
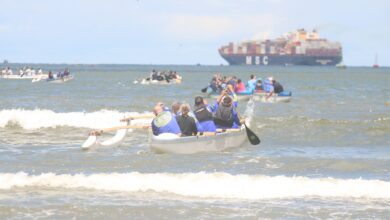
x=137 y=117
x=252 y=137
x=99 y=132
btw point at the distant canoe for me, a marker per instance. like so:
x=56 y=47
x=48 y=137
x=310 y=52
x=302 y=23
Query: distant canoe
x=60 y=79
x=43 y=76
x=275 y=98
x=240 y=97
x=156 y=82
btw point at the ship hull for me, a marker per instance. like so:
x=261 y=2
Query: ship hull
x=281 y=60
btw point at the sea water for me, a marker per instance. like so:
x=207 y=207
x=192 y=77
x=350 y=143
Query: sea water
x=325 y=154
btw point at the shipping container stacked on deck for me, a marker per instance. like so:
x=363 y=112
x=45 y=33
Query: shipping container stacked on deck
x=299 y=47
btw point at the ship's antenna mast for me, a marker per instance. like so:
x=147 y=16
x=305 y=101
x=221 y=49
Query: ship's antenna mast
x=376 y=59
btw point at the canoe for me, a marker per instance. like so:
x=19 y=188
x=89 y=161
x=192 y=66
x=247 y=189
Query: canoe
x=61 y=79
x=240 y=97
x=171 y=143
x=44 y=76
x=261 y=97
x=156 y=82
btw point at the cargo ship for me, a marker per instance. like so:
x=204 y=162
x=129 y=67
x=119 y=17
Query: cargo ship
x=296 y=48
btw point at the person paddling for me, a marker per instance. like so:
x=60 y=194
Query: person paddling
x=204 y=115
x=226 y=115
x=164 y=122
x=186 y=123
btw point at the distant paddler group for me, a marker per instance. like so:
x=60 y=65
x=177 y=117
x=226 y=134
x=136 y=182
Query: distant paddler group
x=268 y=90
x=60 y=77
x=209 y=127
x=160 y=77
x=22 y=73
x=36 y=76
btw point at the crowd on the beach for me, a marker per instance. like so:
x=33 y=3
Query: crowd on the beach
x=163 y=75
x=204 y=118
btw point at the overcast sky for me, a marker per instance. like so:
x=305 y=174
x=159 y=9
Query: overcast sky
x=182 y=31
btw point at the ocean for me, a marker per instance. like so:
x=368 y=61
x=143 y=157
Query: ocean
x=323 y=155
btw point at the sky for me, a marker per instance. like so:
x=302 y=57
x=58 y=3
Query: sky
x=182 y=31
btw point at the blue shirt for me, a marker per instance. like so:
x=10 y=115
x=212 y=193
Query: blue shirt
x=165 y=122
x=268 y=86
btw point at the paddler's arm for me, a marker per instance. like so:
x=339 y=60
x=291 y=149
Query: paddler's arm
x=223 y=94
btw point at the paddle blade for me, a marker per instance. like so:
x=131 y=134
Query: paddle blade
x=91 y=141
x=204 y=90
x=252 y=137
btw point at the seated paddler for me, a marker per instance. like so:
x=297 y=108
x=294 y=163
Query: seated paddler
x=226 y=115
x=164 y=122
x=186 y=123
x=204 y=115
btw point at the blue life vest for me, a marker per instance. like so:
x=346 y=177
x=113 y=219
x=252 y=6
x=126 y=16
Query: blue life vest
x=267 y=86
x=165 y=122
x=204 y=116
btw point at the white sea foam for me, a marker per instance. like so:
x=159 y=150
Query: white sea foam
x=206 y=185
x=41 y=118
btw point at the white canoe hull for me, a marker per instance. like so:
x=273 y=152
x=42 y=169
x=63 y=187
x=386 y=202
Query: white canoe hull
x=24 y=77
x=261 y=97
x=156 y=82
x=239 y=97
x=61 y=80
x=171 y=143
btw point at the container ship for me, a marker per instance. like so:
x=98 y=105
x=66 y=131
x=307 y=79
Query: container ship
x=296 y=48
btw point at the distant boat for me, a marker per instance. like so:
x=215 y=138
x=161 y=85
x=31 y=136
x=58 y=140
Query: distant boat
x=5 y=62
x=341 y=65
x=376 y=62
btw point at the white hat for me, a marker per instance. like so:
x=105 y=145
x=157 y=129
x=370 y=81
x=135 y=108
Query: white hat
x=270 y=78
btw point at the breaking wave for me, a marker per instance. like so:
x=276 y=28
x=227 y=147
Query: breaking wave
x=206 y=185
x=41 y=118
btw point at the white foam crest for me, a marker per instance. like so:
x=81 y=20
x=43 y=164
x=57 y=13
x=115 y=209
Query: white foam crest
x=206 y=185
x=41 y=118
x=249 y=111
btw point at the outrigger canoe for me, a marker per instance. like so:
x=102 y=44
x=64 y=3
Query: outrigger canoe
x=156 y=82
x=174 y=144
x=240 y=96
x=43 y=76
x=60 y=79
x=262 y=97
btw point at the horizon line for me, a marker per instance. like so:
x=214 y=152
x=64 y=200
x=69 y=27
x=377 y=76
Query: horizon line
x=151 y=64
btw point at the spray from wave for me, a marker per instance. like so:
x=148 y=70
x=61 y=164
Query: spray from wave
x=206 y=185
x=35 y=119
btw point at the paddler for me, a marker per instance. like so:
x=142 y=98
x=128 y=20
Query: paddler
x=204 y=115
x=186 y=123
x=226 y=115
x=251 y=84
x=164 y=122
